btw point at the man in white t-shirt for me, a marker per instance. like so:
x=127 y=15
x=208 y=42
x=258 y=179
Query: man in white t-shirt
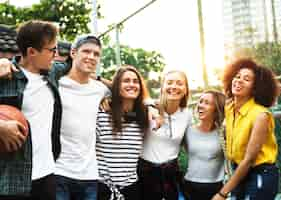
x=27 y=172
x=76 y=168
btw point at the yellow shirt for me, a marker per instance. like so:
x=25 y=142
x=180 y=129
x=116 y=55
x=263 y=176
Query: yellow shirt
x=238 y=132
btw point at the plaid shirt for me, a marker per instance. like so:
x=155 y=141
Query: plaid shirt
x=16 y=167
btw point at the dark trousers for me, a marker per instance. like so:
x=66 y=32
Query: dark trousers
x=42 y=189
x=159 y=181
x=261 y=183
x=197 y=191
x=73 y=189
x=131 y=192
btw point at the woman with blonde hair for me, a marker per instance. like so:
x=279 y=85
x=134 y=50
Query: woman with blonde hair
x=158 y=167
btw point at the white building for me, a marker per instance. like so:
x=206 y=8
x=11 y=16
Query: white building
x=248 y=22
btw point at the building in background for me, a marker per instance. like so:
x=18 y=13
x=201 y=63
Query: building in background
x=248 y=22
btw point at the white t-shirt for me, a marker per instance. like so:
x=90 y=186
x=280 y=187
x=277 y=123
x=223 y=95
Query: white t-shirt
x=205 y=156
x=38 y=108
x=164 y=144
x=80 y=103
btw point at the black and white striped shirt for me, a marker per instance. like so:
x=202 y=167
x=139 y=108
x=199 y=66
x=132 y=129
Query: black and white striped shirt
x=118 y=154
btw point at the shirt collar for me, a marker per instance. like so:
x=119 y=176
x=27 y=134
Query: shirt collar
x=247 y=106
x=175 y=114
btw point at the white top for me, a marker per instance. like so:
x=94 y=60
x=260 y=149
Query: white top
x=80 y=103
x=205 y=156
x=164 y=144
x=118 y=154
x=38 y=108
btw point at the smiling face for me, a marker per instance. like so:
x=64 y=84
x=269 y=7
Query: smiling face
x=174 y=87
x=86 y=57
x=243 y=83
x=206 y=107
x=129 y=86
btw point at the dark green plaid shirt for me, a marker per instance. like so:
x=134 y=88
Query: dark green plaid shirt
x=15 y=168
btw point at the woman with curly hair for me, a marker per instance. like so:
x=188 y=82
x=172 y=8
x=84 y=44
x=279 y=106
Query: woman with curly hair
x=250 y=141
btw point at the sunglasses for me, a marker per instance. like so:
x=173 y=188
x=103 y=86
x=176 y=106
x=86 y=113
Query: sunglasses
x=53 y=50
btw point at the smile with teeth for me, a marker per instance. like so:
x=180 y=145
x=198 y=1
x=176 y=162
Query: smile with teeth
x=173 y=92
x=131 y=90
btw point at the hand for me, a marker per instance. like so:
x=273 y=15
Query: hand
x=6 y=68
x=218 y=197
x=158 y=120
x=105 y=104
x=11 y=135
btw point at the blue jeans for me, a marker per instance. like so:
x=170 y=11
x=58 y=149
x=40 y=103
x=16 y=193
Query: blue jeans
x=72 y=189
x=261 y=183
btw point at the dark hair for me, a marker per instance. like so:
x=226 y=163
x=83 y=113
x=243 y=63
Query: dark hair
x=265 y=88
x=140 y=110
x=35 y=34
x=80 y=40
x=219 y=99
x=183 y=102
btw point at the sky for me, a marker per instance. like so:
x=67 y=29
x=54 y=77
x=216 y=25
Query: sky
x=170 y=28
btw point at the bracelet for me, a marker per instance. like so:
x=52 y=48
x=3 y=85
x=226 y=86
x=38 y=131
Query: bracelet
x=222 y=195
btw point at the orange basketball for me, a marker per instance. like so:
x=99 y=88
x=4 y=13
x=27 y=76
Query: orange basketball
x=12 y=113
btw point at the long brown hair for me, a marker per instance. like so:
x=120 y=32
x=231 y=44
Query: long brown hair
x=140 y=110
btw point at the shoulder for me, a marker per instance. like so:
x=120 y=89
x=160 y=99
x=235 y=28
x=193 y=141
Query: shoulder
x=186 y=113
x=259 y=110
x=100 y=86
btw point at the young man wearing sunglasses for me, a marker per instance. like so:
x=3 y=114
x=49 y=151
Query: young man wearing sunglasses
x=27 y=168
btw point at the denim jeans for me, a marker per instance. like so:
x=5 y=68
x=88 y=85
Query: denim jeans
x=72 y=189
x=261 y=183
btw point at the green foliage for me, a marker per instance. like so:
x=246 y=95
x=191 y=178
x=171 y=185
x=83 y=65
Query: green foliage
x=277 y=108
x=147 y=63
x=268 y=54
x=72 y=16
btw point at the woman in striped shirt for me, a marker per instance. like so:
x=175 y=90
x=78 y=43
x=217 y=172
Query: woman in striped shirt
x=120 y=134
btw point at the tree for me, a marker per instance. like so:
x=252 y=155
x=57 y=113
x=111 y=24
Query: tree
x=268 y=54
x=71 y=16
x=202 y=42
x=148 y=63
x=275 y=33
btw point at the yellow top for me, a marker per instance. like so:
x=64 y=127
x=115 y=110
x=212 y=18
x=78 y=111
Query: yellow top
x=238 y=131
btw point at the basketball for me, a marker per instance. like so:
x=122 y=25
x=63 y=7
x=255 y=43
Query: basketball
x=12 y=113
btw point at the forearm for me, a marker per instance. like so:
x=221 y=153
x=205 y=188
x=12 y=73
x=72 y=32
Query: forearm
x=239 y=174
x=107 y=82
